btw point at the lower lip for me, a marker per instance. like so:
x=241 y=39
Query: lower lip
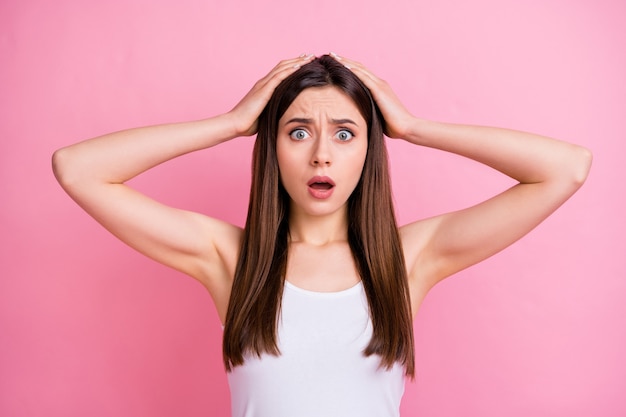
x=321 y=194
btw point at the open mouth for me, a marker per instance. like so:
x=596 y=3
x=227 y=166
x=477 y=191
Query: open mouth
x=321 y=183
x=323 y=186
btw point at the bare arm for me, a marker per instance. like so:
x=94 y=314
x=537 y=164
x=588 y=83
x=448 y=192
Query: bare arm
x=548 y=172
x=94 y=172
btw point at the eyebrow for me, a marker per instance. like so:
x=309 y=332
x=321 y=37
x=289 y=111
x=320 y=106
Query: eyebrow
x=303 y=120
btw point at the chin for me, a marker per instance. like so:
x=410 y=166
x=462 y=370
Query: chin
x=322 y=209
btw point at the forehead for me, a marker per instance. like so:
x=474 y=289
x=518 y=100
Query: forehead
x=323 y=101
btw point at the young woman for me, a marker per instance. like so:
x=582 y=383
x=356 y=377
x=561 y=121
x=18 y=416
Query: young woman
x=318 y=291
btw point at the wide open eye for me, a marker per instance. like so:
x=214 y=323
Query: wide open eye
x=344 y=135
x=298 y=134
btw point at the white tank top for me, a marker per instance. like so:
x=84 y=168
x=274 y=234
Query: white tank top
x=322 y=371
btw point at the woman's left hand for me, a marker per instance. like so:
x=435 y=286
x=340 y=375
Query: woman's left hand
x=397 y=117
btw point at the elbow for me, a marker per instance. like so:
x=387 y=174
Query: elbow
x=62 y=167
x=580 y=165
x=57 y=164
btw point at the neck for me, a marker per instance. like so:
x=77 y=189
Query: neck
x=318 y=230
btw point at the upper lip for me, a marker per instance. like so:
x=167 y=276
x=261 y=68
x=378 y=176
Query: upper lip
x=321 y=179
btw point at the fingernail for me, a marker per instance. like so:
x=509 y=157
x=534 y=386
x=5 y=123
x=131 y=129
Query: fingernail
x=334 y=55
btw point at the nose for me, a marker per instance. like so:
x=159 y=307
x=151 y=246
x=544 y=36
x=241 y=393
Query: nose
x=321 y=152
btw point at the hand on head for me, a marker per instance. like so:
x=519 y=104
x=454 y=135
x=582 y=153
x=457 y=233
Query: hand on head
x=246 y=113
x=396 y=116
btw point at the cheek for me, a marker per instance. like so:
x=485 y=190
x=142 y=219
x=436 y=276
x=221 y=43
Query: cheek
x=287 y=169
x=358 y=161
x=281 y=158
x=284 y=165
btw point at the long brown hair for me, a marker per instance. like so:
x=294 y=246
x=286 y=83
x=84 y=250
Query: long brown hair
x=254 y=306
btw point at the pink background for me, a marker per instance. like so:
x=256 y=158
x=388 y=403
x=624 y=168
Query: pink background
x=90 y=328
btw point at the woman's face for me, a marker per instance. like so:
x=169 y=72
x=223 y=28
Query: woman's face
x=321 y=148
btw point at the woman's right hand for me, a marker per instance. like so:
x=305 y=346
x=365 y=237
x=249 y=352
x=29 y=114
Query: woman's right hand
x=246 y=113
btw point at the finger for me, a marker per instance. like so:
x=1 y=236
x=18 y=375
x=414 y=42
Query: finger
x=358 y=69
x=289 y=64
x=263 y=89
x=346 y=62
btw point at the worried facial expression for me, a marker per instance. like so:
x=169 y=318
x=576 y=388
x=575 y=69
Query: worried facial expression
x=321 y=148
